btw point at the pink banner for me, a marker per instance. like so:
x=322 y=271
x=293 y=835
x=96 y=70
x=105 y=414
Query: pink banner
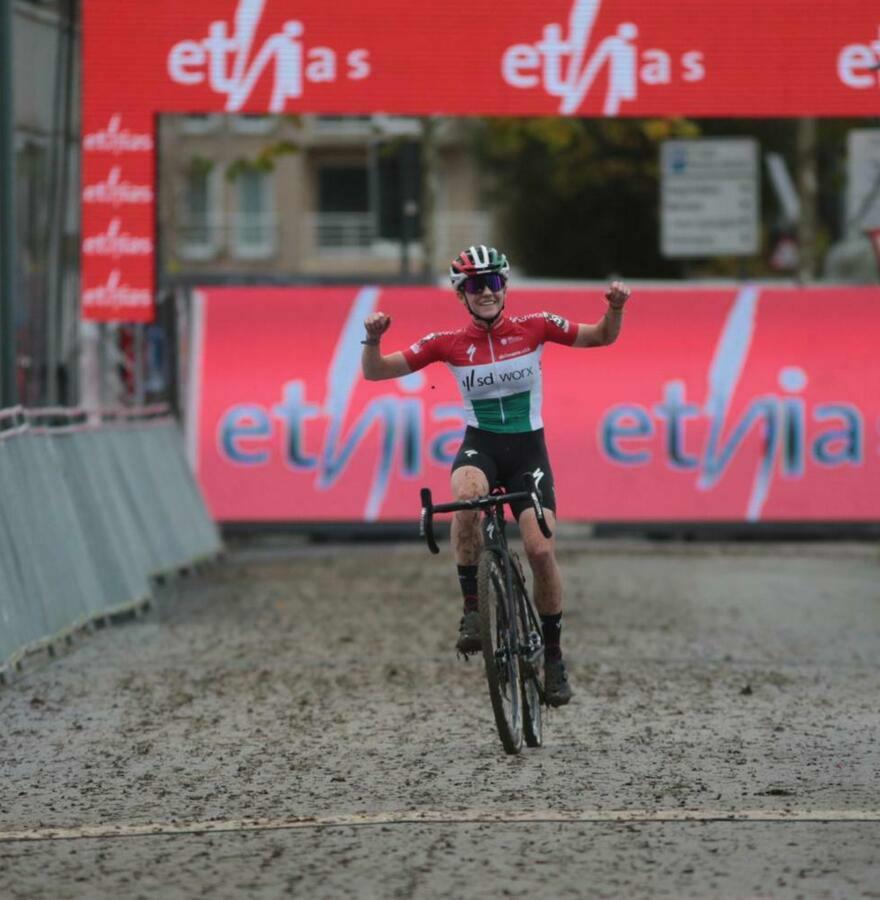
x=749 y=404
x=562 y=57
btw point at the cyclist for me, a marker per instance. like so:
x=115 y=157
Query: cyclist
x=496 y=361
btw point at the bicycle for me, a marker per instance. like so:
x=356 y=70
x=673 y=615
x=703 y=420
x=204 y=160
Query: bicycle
x=510 y=628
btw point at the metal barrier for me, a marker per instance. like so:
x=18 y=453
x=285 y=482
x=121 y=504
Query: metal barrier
x=93 y=507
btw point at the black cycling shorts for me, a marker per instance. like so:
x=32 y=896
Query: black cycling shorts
x=505 y=458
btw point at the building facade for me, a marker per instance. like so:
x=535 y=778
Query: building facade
x=303 y=198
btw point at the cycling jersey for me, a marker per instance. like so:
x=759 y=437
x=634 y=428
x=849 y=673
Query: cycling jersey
x=498 y=371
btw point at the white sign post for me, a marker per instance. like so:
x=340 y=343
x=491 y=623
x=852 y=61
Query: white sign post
x=709 y=198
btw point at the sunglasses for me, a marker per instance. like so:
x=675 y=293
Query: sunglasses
x=474 y=284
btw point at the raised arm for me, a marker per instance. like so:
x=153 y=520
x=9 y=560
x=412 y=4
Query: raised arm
x=605 y=331
x=376 y=366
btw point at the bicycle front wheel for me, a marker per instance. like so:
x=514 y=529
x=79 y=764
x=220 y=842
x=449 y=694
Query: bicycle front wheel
x=530 y=666
x=498 y=632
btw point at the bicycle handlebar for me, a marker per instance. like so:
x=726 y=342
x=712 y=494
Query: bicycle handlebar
x=426 y=519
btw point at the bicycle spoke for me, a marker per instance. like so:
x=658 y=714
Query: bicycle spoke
x=500 y=650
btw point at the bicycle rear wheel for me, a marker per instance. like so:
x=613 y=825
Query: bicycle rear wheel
x=500 y=650
x=533 y=725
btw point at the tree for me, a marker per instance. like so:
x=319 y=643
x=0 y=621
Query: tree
x=580 y=196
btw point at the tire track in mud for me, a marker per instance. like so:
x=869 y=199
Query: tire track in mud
x=307 y=708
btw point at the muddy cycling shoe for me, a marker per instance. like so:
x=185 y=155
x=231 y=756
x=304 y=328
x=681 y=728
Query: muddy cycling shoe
x=469 y=634
x=556 y=687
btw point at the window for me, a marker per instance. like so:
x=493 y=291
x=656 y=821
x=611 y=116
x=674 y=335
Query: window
x=399 y=180
x=254 y=223
x=344 y=219
x=198 y=226
x=343 y=189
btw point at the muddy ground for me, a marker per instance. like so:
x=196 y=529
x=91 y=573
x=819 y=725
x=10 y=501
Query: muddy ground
x=294 y=722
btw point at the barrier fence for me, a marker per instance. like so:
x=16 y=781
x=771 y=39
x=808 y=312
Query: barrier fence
x=93 y=508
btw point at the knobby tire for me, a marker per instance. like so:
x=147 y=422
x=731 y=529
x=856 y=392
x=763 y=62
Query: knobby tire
x=498 y=631
x=533 y=727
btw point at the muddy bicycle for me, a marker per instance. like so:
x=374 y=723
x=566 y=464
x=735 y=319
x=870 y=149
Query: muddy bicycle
x=510 y=627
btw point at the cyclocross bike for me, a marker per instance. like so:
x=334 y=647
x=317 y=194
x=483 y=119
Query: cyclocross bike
x=510 y=628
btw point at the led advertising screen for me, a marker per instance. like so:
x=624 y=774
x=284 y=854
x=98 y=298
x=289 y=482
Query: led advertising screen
x=750 y=404
x=560 y=58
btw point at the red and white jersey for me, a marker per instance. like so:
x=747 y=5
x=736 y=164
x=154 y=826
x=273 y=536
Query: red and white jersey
x=498 y=371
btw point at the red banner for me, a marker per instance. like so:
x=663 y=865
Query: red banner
x=750 y=404
x=562 y=57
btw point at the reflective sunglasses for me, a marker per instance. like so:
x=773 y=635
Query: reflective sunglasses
x=474 y=284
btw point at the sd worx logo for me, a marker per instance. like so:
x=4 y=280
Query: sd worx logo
x=474 y=381
x=566 y=65
x=233 y=64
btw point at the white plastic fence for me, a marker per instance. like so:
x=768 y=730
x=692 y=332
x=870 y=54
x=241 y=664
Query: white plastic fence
x=92 y=508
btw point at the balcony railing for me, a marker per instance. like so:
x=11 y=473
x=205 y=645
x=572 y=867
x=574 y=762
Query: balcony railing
x=244 y=235
x=343 y=232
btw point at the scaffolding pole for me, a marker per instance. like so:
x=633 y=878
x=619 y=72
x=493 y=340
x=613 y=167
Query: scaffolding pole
x=8 y=392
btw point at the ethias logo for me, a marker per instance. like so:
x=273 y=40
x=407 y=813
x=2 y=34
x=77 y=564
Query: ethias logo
x=233 y=63
x=567 y=67
x=858 y=65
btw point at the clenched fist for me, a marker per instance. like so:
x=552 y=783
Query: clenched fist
x=617 y=294
x=376 y=324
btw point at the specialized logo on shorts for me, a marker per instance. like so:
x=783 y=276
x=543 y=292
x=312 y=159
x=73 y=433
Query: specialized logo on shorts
x=538 y=474
x=470 y=453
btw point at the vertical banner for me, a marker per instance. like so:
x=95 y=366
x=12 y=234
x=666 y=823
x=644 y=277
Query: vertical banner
x=118 y=217
x=750 y=404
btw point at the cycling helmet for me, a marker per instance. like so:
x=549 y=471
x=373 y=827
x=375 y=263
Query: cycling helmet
x=477 y=260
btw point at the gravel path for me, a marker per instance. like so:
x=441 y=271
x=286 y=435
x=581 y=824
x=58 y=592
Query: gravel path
x=295 y=722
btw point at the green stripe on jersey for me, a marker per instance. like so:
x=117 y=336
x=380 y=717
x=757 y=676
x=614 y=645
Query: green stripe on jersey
x=504 y=414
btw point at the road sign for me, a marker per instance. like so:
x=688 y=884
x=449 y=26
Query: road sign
x=863 y=178
x=709 y=197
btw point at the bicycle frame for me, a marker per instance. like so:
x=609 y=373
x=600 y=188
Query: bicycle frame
x=494 y=539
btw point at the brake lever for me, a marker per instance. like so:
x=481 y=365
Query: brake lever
x=426 y=521
x=537 y=505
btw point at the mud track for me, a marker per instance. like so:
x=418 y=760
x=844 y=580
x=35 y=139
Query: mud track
x=294 y=722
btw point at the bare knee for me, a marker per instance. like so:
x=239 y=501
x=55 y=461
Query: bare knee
x=541 y=555
x=468 y=483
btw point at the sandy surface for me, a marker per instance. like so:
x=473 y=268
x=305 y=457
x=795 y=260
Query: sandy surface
x=307 y=702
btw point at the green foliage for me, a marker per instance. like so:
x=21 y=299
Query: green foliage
x=264 y=161
x=580 y=195
x=199 y=166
